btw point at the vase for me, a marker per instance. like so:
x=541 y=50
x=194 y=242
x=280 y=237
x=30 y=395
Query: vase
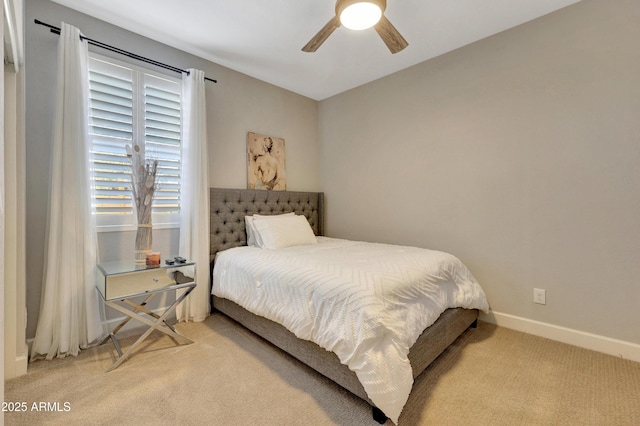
x=144 y=237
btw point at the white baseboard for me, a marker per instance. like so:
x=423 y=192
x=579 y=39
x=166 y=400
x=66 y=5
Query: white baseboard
x=594 y=342
x=18 y=368
x=129 y=327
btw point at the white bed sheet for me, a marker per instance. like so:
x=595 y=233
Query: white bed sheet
x=366 y=302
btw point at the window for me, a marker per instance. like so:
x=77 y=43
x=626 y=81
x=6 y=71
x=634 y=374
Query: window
x=130 y=105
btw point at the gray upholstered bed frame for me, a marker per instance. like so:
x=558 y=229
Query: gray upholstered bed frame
x=228 y=208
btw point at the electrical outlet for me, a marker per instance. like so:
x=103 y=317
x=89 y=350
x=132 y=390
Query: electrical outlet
x=539 y=296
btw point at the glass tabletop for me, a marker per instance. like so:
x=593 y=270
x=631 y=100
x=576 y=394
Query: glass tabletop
x=126 y=266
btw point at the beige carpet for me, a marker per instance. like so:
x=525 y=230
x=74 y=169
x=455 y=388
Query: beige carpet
x=490 y=376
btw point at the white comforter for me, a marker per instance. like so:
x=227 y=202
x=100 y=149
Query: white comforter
x=368 y=303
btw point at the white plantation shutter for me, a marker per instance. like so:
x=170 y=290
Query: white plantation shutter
x=162 y=140
x=129 y=105
x=111 y=128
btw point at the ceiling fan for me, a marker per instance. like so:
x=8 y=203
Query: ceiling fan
x=359 y=15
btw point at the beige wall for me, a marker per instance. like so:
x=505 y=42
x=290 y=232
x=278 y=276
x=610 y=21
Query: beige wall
x=519 y=153
x=236 y=105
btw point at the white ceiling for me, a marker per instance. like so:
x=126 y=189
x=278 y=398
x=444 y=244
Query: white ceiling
x=263 y=38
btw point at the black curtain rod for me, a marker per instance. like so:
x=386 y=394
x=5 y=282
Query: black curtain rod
x=102 y=45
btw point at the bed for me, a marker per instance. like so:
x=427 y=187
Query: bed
x=228 y=208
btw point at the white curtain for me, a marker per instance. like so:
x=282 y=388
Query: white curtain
x=194 y=190
x=69 y=308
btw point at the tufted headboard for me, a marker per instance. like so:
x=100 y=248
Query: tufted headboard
x=228 y=207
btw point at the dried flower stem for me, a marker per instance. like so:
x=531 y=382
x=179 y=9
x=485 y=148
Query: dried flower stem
x=143 y=186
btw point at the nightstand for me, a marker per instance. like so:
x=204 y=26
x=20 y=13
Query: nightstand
x=120 y=282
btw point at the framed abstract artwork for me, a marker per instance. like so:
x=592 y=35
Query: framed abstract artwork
x=265 y=162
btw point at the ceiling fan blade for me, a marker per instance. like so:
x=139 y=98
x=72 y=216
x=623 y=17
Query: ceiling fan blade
x=391 y=37
x=322 y=35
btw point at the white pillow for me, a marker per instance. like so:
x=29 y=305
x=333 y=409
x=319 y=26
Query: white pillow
x=251 y=233
x=284 y=231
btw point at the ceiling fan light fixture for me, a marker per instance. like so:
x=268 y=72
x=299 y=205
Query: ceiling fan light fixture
x=360 y=15
x=373 y=16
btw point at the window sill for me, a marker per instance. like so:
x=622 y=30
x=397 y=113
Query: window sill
x=132 y=228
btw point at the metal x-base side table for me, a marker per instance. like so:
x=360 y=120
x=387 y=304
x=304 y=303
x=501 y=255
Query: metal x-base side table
x=120 y=282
